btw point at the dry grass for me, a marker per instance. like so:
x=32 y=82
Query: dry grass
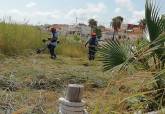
x=19 y=38
x=71 y=47
x=104 y=92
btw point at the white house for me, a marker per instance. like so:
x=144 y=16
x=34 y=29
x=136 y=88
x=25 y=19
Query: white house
x=80 y=29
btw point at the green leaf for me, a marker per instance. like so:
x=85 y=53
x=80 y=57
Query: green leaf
x=115 y=53
x=154 y=22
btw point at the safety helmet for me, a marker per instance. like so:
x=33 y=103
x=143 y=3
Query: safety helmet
x=93 y=34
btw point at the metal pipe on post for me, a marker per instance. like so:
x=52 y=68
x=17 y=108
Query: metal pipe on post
x=73 y=103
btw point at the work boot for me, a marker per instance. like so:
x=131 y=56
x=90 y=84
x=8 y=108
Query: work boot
x=53 y=57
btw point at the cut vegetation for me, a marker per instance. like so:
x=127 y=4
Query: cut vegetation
x=134 y=79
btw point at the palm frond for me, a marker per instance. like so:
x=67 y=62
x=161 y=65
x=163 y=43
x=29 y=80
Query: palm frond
x=150 y=48
x=114 y=53
x=155 y=26
x=161 y=51
x=154 y=23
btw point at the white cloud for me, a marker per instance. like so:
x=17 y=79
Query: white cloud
x=96 y=8
x=35 y=17
x=52 y=14
x=15 y=11
x=31 y=4
x=137 y=15
x=90 y=11
x=125 y=4
x=117 y=10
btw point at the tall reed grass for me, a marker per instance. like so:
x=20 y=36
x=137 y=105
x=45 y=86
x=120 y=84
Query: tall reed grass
x=22 y=39
x=16 y=39
x=71 y=46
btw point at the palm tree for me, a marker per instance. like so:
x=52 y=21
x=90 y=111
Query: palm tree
x=116 y=24
x=93 y=24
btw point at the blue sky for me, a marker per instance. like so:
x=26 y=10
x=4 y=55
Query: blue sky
x=66 y=11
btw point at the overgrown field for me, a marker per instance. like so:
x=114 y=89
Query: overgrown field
x=134 y=79
x=72 y=46
x=19 y=38
x=32 y=85
x=22 y=39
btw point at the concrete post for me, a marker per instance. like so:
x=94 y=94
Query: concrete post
x=73 y=103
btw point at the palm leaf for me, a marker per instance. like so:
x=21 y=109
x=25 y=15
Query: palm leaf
x=114 y=53
x=154 y=23
x=120 y=54
x=150 y=48
x=155 y=26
